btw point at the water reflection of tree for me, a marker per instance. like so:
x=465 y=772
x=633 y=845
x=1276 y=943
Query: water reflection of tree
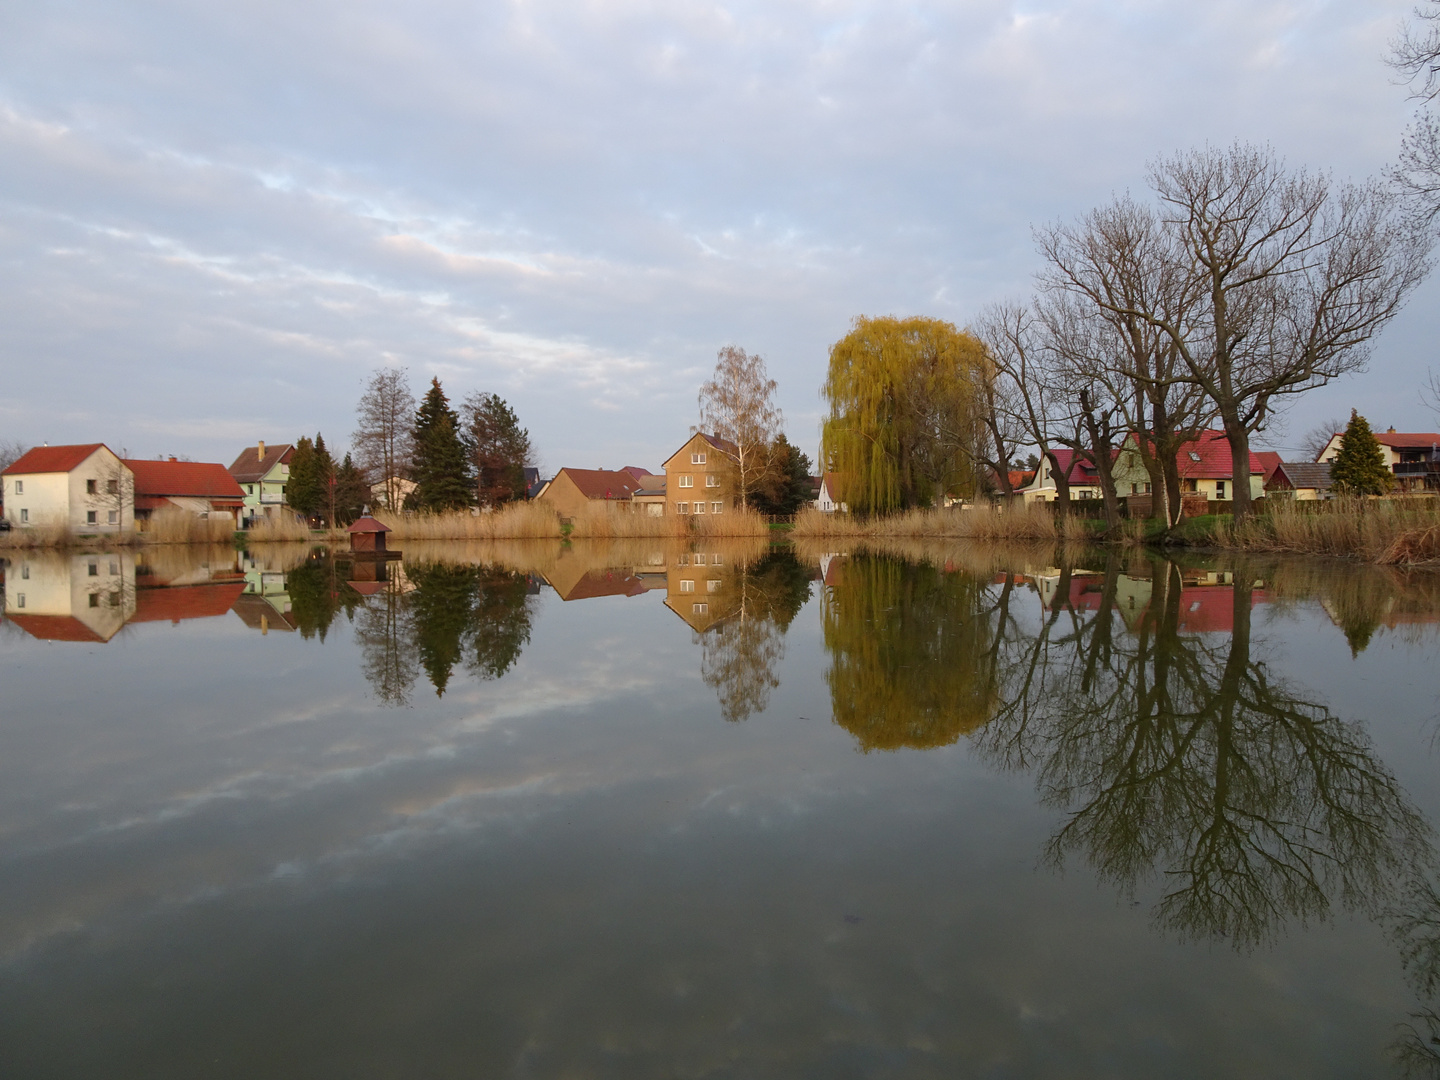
x=318 y=593
x=1182 y=756
x=912 y=651
x=741 y=651
x=451 y=614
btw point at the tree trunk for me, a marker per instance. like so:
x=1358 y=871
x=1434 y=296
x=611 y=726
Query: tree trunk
x=1062 y=482
x=1239 y=439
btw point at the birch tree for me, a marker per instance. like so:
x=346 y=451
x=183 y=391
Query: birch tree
x=382 y=440
x=737 y=403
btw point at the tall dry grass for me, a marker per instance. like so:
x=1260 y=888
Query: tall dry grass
x=59 y=537
x=518 y=521
x=283 y=528
x=174 y=526
x=1394 y=532
x=1028 y=522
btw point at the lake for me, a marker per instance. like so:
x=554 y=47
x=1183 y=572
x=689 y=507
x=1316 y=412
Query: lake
x=718 y=810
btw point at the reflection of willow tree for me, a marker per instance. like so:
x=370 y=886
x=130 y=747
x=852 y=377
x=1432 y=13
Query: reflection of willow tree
x=741 y=651
x=480 y=616
x=1183 y=755
x=912 y=652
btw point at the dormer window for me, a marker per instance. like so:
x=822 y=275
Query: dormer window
x=1194 y=456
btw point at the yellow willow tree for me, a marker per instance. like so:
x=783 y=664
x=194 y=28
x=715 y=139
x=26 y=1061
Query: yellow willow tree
x=903 y=427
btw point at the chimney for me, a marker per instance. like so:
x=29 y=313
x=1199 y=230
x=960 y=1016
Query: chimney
x=260 y=452
x=1391 y=431
x=173 y=457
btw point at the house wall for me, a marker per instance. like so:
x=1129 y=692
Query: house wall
x=45 y=583
x=710 y=483
x=567 y=499
x=63 y=499
x=695 y=588
x=265 y=497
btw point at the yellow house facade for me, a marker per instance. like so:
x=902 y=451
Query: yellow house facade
x=700 y=476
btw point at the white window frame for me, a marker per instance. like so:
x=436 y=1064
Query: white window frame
x=114 y=517
x=711 y=480
x=699 y=609
x=686 y=585
x=700 y=506
x=686 y=480
x=24 y=516
x=697 y=458
x=19 y=487
x=91 y=518
x=682 y=508
x=716 y=507
x=712 y=585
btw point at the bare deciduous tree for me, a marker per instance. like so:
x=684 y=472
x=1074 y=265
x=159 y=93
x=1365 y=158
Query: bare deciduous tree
x=382 y=440
x=1416 y=55
x=1319 y=436
x=738 y=404
x=11 y=451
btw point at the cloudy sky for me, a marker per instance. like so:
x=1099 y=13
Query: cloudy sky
x=216 y=220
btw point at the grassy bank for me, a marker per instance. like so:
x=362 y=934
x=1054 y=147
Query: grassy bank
x=1390 y=532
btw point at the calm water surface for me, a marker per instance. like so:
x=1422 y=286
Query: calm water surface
x=716 y=811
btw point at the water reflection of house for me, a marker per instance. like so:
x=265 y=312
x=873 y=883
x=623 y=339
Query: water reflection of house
x=86 y=597
x=264 y=602
x=1206 y=597
x=694 y=588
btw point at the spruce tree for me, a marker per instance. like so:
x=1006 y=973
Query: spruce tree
x=500 y=447
x=302 y=488
x=1359 y=466
x=352 y=494
x=441 y=462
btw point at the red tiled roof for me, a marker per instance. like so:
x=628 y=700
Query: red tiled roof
x=368 y=588
x=603 y=483
x=187 y=479
x=1213 y=451
x=637 y=472
x=177 y=603
x=54 y=627
x=723 y=445
x=368 y=524
x=605 y=583
x=249 y=467
x=52 y=459
x=1269 y=462
x=1416 y=440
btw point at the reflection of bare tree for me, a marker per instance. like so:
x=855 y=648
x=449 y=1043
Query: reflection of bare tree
x=742 y=649
x=385 y=631
x=1183 y=756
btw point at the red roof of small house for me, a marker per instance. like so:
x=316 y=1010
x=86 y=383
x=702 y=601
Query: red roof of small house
x=1269 y=462
x=52 y=459
x=184 y=479
x=368 y=524
x=368 y=588
x=603 y=483
x=637 y=472
x=597 y=583
x=54 y=627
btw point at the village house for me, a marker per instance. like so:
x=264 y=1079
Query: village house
x=57 y=597
x=262 y=473
x=380 y=492
x=694 y=589
x=700 y=476
x=1204 y=465
x=572 y=490
x=1303 y=481
x=84 y=488
x=826 y=500
x=194 y=487
x=1413 y=457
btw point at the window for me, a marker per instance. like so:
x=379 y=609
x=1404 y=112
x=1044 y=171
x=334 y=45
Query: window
x=715 y=560
x=687 y=481
x=684 y=560
x=19 y=487
x=93 y=570
x=94 y=599
x=699 y=609
x=687 y=585
x=20 y=599
x=1219 y=489
x=25 y=572
x=114 y=517
x=112 y=487
x=682 y=508
x=716 y=507
x=1194 y=456
x=90 y=517
x=249 y=489
x=699 y=508
x=711 y=480
x=1134 y=489
x=24 y=516
x=90 y=487
x=713 y=585
x=115 y=568
x=114 y=599
x=697 y=459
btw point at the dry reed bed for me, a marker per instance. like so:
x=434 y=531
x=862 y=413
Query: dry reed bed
x=1388 y=532
x=1032 y=522
x=180 y=527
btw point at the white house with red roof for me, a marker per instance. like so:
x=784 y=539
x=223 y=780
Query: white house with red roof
x=826 y=499
x=1204 y=465
x=84 y=488
x=1414 y=457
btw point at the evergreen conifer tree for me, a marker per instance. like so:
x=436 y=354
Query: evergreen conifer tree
x=441 y=461
x=500 y=447
x=1359 y=466
x=352 y=494
x=302 y=487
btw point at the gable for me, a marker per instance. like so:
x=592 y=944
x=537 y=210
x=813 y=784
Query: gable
x=55 y=459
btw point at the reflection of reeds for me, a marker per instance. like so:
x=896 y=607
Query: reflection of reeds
x=1387 y=531
x=1032 y=521
x=546 y=557
x=598 y=520
x=174 y=526
x=168 y=561
x=983 y=559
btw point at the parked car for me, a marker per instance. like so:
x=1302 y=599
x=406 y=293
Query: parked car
x=4 y=525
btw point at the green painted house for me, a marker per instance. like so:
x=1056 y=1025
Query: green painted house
x=262 y=473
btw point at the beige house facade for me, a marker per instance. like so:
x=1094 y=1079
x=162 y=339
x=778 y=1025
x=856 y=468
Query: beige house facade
x=58 y=597
x=700 y=477
x=573 y=490
x=84 y=488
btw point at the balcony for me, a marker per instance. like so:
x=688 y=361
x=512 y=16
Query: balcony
x=1416 y=468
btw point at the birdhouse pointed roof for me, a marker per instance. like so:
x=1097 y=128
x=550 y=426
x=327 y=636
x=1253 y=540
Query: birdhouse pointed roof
x=368 y=524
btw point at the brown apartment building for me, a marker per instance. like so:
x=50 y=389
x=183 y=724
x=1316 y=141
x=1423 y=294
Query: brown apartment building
x=700 y=476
